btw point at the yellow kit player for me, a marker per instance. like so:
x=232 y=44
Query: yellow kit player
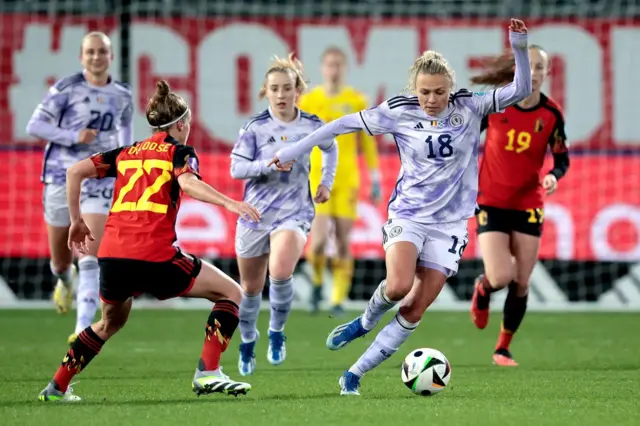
x=330 y=101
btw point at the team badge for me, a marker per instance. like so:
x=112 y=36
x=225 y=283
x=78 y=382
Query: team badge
x=395 y=231
x=456 y=120
x=538 y=126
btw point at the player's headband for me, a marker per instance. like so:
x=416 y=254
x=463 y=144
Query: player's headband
x=174 y=121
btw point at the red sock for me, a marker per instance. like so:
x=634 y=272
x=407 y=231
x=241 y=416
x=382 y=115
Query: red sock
x=83 y=350
x=504 y=339
x=223 y=321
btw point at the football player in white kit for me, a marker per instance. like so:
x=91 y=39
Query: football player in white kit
x=437 y=134
x=82 y=114
x=283 y=197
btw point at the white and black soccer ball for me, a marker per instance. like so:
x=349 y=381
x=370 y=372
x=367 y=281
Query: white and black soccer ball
x=426 y=371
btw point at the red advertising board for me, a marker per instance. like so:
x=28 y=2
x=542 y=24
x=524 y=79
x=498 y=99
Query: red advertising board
x=218 y=64
x=595 y=215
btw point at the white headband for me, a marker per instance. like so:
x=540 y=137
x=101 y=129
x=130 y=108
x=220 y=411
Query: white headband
x=174 y=121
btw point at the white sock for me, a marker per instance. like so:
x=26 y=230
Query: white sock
x=378 y=305
x=88 y=298
x=249 y=310
x=65 y=276
x=385 y=344
x=280 y=298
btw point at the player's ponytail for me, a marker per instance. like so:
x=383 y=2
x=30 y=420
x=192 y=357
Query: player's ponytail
x=165 y=108
x=430 y=62
x=499 y=70
x=290 y=66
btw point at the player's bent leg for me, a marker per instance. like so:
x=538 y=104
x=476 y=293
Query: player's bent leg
x=212 y=284
x=316 y=253
x=425 y=290
x=525 y=250
x=85 y=348
x=342 y=264
x=400 y=259
x=498 y=267
x=286 y=249
x=61 y=266
x=252 y=276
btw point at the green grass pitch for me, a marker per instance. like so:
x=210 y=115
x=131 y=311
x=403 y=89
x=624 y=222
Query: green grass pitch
x=575 y=369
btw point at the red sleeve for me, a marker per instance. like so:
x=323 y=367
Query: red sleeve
x=185 y=160
x=105 y=163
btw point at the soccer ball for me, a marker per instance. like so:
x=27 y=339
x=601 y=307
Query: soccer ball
x=426 y=371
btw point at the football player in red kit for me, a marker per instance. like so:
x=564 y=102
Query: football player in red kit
x=137 y=254
x=511 y=194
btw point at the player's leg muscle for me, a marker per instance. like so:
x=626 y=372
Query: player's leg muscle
x=525 y=250
x=114 y=317
x=343 y=233
x=253 y=271
x=319 y=234
x=400 y=260
x=213 y=284
x=286 y=249
x=61 y=255
x=427 y=286
x=496 y=256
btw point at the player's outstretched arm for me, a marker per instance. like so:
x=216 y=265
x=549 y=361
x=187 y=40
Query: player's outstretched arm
x=194 y=187
x=521 y=86
x=322 y=137
x=243 y=162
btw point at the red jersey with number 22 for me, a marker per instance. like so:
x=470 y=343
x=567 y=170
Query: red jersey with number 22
x=146 y=197
x=514 y=151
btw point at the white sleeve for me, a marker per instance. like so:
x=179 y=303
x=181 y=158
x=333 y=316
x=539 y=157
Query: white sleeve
x=383 y=118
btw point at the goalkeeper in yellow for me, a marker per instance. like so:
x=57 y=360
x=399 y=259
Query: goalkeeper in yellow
x=330 y=101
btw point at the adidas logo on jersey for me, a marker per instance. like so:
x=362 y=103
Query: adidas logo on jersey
x=418 y=126
x=271 y=140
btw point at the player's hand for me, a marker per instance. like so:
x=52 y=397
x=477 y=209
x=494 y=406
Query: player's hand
x=517 y=26
x=79 y=236
x=87 y=135
x=550 y=183
x=275 y=161
x=286 y=167
x=322 y=195
x=244 y=210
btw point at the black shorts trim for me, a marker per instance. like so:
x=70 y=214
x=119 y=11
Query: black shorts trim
x=121 y=279
x=495 y=219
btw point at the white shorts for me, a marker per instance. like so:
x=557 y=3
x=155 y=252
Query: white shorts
x=256 y=242
x=440 y=246
x=95 y=198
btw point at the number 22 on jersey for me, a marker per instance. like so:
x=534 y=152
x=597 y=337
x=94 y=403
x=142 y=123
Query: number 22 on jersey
x=142 y=167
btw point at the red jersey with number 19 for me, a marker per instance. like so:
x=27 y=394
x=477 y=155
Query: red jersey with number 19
x=146 y=197
x=514 y=152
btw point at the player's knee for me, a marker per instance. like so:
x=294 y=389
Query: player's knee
x=281 y=272
x=499 y=279
x=234 y=294
x=252 y=286
x=396 y=289
x=342 y=248
x=59 y=267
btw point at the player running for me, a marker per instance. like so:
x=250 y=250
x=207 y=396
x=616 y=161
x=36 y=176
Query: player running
x=137 y=253
x=512 y=193
x=82 y=114
x=283 y=197
x=437 y=134
x=332 y=100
